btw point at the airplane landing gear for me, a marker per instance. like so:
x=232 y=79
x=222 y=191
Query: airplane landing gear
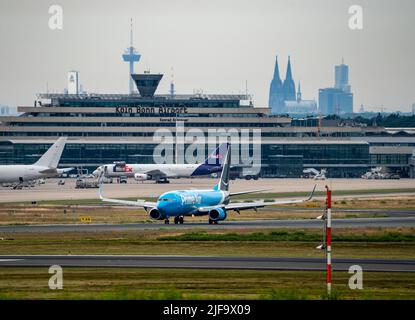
x=166 y=221
x=212 y=221
x=178 y=219
x=162 y=180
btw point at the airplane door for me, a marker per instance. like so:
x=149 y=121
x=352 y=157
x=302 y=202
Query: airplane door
x=119 y=166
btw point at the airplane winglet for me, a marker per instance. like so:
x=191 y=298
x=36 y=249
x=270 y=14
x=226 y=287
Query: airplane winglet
x=312 y=193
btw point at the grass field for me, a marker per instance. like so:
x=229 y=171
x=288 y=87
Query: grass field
x=290 y=235
x=59 y=213
x=136 y=283
x=371 y=243
x=103 y=283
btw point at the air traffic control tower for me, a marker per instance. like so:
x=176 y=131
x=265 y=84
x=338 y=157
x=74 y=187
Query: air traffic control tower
x=147 y=83
x=131 y=55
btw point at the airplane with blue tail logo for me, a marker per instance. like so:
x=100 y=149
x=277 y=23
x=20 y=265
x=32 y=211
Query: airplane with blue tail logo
x=214 y=203
x=161 y=172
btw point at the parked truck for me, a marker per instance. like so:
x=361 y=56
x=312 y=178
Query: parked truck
x=86 y=183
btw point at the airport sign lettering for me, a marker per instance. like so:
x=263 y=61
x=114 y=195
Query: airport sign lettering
x=161 y=110
x=86 y=219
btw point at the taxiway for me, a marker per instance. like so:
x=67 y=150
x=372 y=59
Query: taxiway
x=299 y=223
x=204 y=262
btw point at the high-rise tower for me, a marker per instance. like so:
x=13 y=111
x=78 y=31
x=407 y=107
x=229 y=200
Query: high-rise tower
x=276 y=93
x=337 y=100
x=341 y=76
x=131 y=55
x=289 y=85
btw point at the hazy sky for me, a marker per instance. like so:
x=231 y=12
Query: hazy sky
x=214 y=45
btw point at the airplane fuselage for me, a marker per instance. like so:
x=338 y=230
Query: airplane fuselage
x=188 y=202
x=20 y=173
x=168 y=170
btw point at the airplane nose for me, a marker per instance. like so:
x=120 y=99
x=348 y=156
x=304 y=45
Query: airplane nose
x=166 y=207
x=161 y=206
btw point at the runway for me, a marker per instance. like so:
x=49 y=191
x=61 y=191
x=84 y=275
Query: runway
x=300 y=223
x=205 y=262
x=52 y=191
x=383 y=212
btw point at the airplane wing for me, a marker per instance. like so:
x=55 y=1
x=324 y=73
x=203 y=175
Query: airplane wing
x=138 y=203
x=237 y=206
x=49 y=171
x=55 y=170
x=247 y=192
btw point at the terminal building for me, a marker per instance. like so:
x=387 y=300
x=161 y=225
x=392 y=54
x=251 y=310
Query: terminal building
x=103 y=128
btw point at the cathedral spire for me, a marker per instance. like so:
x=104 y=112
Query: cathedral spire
x=276 y=92
x=289 y=75
x=289 y=85
x=276 y=70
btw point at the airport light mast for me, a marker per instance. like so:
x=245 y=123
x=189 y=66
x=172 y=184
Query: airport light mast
x=326 y=245
x=131 y=55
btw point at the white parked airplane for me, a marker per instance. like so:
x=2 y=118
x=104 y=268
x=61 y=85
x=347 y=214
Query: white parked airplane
x=45 y=167
x=160 y=172
x=315 y=174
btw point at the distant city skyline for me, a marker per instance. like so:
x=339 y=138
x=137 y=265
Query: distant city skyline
x=212 y=45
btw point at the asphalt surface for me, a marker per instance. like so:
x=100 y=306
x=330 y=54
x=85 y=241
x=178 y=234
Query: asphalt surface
x=300 y=223
x=383 y=212
x=51 y=190
x=205 y=262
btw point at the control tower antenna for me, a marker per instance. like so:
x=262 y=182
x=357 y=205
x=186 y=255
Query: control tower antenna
x=131 y=55
x=246 y=89
x=172 y=90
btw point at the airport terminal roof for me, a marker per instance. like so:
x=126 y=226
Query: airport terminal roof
x=110 y=96
x=149 y=140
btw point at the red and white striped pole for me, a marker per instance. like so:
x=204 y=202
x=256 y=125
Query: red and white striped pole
x=328 y=249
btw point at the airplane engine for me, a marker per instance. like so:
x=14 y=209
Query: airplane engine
x=217 y=214
x=155 y=214
x=141 y=176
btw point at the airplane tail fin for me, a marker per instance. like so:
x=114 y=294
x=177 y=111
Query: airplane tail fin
x=216 y=156
x=223 y=184
x=52 y=156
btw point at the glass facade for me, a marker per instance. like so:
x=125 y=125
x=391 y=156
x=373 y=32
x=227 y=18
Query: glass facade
x=278 y=160
x=389 y=159
x=281 y=166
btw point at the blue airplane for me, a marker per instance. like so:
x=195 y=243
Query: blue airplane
x=215 y=202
